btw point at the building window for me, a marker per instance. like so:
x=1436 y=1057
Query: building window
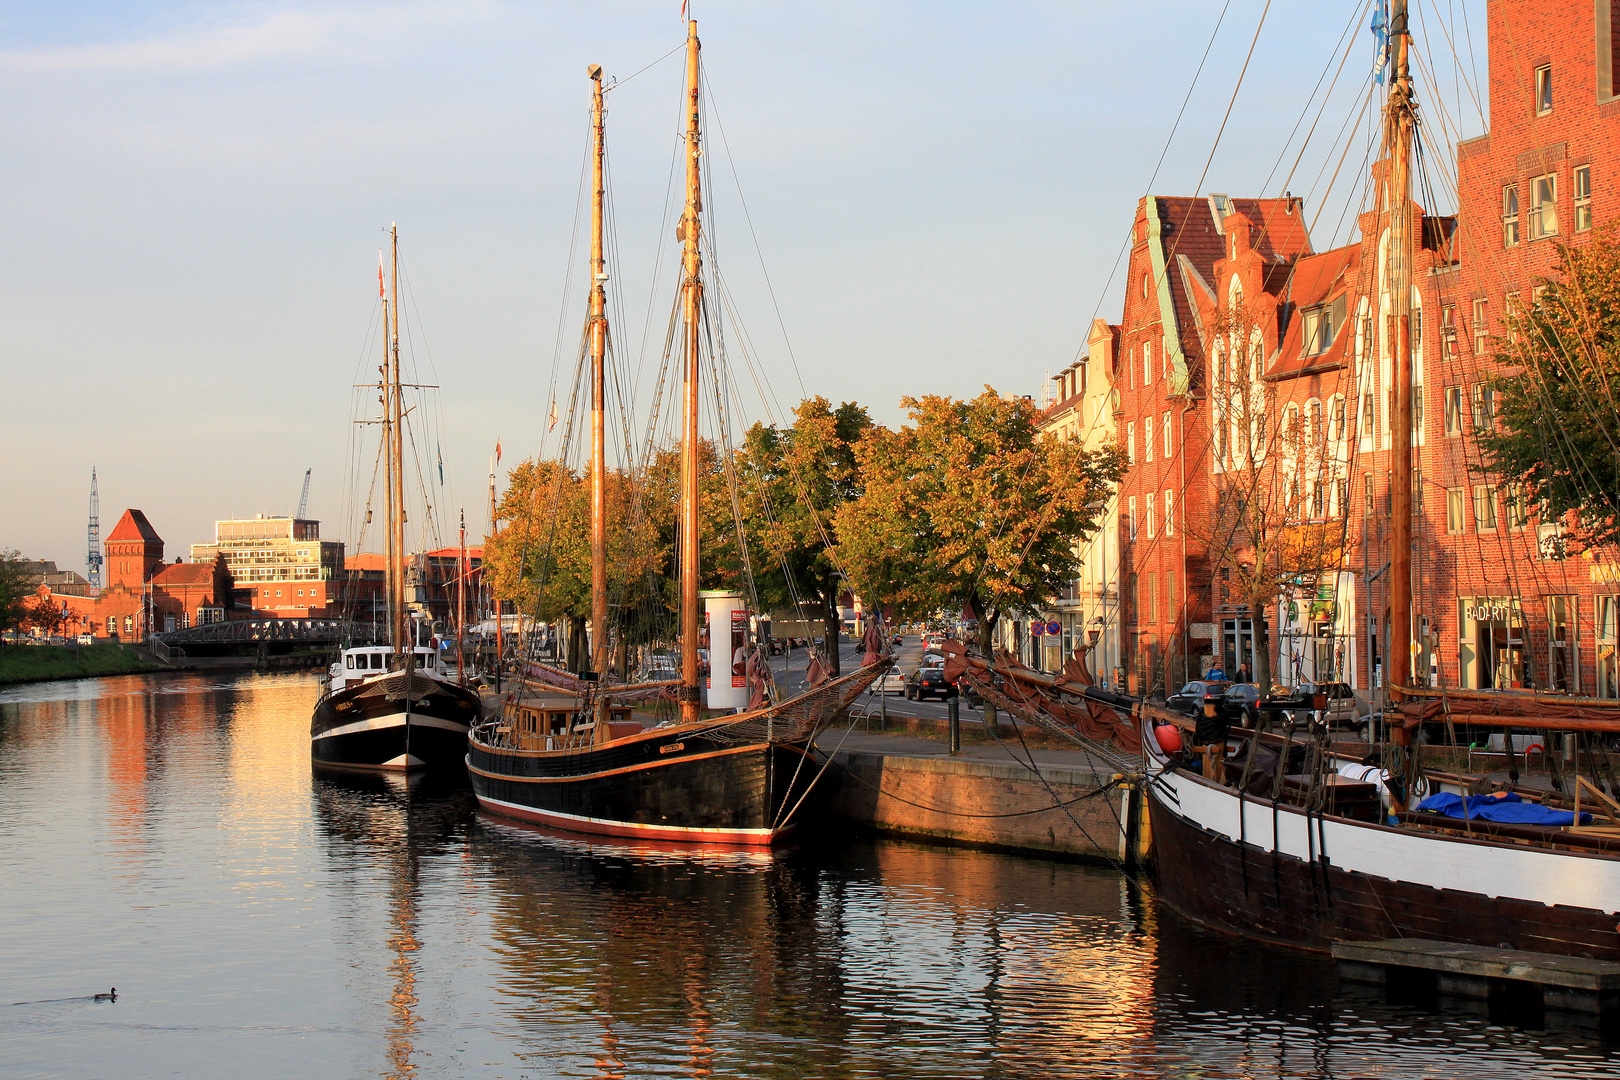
x=1448 y=329
x=1133 y=517
x=1318 y=493
x=1453 y=410
x=1514 y=312
x=1341 y=490
x=129 y=624
x=1454 y=510
x=1169 y=513
x=1146 y=280
x=1544 y=89
x=1152 y=501
x=1147 y=439
x=1316 y=422
x=1130 y=442
x=1147 y=363
x=1367 y=493
x=1583 y=198
x=1167 y=450
x=1484 y=508
x=1483 y=404
x=1367 y=417
x=1513 y=504
x=1290 y=426
x=1338 y=419
x=1510 y=215
x=1544 y=206
x=1481 y=337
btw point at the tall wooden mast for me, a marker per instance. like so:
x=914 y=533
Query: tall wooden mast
x=598 y=345
x=692 y=307
x=1400 y=122
x=393 y=455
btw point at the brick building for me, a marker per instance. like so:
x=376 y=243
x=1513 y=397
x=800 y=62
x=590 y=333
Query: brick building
x=281 y=565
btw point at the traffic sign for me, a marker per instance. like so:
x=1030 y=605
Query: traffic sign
x=1054 y=629
x=1037 y=629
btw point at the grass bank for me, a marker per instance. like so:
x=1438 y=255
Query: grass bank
x=37 y=663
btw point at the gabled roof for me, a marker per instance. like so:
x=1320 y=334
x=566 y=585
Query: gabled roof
x=185 y=574
x=134 y=526
x=1317 y=279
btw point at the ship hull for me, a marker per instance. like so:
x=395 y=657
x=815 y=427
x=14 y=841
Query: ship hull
x=367 y=727
x=654 y=787
x=1275 y=873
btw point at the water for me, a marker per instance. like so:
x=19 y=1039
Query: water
x=164 y=835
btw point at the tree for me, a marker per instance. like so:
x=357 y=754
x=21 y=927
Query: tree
x=969 y=506
x=1277 y=481
x=16 y=587
x=45 y=614
x=793 y=482
x=1556 y=443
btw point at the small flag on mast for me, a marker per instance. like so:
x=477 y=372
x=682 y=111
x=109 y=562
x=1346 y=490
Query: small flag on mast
x=382 y=292
x=552 y=417
x=439 y=450
x=1380 y=32
x=497 y=451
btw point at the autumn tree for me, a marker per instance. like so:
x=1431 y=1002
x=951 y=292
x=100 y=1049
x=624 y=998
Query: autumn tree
x=45 y=614
x=1280 y=482
x=970 y=506
x=16 y=587
x=1556 y=441
x=793 y=481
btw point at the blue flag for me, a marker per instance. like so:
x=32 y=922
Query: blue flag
x=1380 y=31
x=440 y=452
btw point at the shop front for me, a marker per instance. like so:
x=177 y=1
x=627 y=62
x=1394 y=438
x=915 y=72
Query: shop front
x=1490 y=646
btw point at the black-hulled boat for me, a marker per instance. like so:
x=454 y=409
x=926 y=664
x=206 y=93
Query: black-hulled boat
x=376 y=715
x=575 y=760
x=393 y=707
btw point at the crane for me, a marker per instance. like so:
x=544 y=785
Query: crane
x=94 y=558
x=303 y=500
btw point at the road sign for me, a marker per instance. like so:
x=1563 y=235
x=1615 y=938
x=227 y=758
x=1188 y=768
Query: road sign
x=1037 y=629
x=1054 y=629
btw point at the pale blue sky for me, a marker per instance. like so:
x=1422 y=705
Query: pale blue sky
x=192 y=196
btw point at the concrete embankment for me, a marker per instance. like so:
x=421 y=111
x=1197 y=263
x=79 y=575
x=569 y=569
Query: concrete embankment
x=999 y=796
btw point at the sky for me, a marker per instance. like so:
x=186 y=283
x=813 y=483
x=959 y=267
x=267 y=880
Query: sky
x=909 y=198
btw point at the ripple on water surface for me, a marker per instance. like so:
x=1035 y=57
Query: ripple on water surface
x=164 y=834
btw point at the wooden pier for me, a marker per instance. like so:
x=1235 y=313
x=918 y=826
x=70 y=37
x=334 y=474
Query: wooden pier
x=1507 y=976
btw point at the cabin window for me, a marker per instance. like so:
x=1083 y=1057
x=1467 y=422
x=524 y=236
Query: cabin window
x=377 y=660
x=348 y=662
x=1544 y=89
x=1484 y=508
x=1454 y=510
x=1453 y=410
x=1583 y=198
x=1544 y=206
x=1510 y=215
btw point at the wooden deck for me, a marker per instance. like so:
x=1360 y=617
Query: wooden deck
x=1570 y=983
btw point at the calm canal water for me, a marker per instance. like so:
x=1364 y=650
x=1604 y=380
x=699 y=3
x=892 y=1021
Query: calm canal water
x=164 y=835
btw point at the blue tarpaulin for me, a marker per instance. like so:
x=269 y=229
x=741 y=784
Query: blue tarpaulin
x=1506 y=807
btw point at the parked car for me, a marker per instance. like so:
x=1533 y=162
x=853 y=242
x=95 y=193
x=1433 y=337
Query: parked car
x=929 y=681
x=87 y=639
x=1237 y=704
x=1343 y=710
x=893 y=682
x=1191 y=698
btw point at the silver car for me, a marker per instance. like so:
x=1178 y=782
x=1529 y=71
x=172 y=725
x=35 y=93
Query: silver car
x=1342 y=710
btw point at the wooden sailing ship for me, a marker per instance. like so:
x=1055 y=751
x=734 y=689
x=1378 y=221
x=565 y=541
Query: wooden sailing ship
x=576 y=760
x=1290 y=841
x=393 y=706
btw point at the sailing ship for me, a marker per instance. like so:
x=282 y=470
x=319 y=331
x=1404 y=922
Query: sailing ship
x=576 y=760
x=393 y=706
x=1291 y=842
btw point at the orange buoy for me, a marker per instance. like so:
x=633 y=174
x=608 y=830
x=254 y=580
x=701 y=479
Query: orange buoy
x=1169 y=737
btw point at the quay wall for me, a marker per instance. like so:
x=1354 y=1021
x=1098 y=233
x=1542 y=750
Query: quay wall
x=985 y=804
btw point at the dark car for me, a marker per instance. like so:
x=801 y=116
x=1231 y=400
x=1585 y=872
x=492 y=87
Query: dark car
x=1190 y=699
x=927 y=682
x=1237 y=704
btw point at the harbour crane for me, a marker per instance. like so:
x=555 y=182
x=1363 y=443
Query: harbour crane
x=303 y=500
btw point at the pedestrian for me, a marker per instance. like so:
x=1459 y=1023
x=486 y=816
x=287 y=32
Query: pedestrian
x=1243 y=673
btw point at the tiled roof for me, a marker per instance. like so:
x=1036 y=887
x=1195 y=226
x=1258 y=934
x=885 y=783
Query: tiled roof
x=366 y=560
x=134 y=526
x=185 y=574
x=1316 y=280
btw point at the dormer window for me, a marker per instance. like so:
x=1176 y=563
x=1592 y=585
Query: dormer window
x=1543 y=89
x=1321 y=326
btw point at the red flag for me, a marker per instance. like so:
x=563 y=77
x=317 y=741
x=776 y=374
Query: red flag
x=497 y=451
x=381 y=292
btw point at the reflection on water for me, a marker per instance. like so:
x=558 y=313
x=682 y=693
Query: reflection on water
x=165 y=835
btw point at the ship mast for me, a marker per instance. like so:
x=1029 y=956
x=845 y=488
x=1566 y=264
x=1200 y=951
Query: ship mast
x=598 y=346
x=692 y=306
x=394 y=431
x=1400 y=122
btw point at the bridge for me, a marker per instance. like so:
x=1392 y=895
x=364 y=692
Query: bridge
x=266 y=636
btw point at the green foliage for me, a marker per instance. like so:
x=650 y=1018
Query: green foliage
x=16 y=589
x=971 y=506
x=1558 y=396
x=35 y=663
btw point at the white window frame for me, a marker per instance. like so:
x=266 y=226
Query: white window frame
x=1543 y=212
x=1510 y=216
x=1152 y=502
x=1581 y=187
x=1130 y=442
x=1169 y=448
x=1132 y=524
x=1543 y=89
x=1169 y=513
